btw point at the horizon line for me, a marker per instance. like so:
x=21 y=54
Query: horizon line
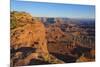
x=53 y=16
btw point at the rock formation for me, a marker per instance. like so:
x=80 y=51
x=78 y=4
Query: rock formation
x=28 y=39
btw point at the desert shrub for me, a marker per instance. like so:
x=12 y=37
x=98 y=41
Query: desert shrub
x=13 y=23
x=46 y=58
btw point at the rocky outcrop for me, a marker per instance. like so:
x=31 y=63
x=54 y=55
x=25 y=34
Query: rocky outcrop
x=28 y=41
x=24 y=38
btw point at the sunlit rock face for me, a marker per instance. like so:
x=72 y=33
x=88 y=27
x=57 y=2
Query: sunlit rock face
x=28 y=40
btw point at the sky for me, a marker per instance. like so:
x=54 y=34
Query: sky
x=40 y=9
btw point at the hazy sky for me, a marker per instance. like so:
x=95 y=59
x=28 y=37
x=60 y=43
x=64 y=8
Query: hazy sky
x=54 y=10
